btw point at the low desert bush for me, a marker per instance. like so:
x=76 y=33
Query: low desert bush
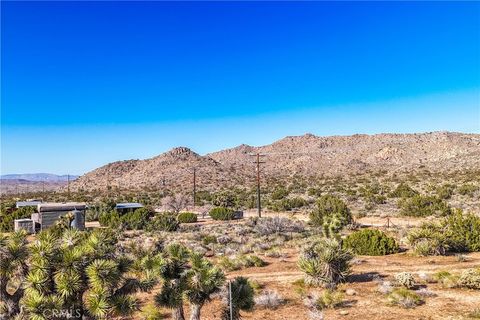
x=327 y=299
x=222 y=213
x=240 y=262
x=208 y=239
x=325 y=263
x=403 y=190
x=470 y=279
x=277 y=225
x=467 y=189
x=446 y=279
x=423 y=206
x=370 y=242
x=405 y=279
x=187 y=217
x=405 y=298
x=163 y=222
x=269 y=299
x=456 y=233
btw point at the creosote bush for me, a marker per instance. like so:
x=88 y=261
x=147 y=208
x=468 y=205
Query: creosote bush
x=222 y=213
x=163 y=222
x=331 y=214
x=423 y=206
x=456 y=233
x=187 y=217
x=370 y=242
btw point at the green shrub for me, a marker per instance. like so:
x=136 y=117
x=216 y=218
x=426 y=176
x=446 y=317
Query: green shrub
x=329 y=299
x=370 y=242
x=456 y=233
x=422 y=206
x=222 y=213
x=164 y=222
x=445 y=191
x=462 y=232
x=467 y=189
x=279 y=193
x=109 y=219
x=331 y=214
x=137 y=219
x=242 y=261
x=187 y=217
x=9 y=215
x=208 y=239
x=404 y=298
x=446 y=279
x=470 y=279
x=403 y=190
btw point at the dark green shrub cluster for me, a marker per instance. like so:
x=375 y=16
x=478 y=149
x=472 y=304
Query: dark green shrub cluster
x=287 y=204
x=456 y=233
x=467 y=189
x=9 y=215
x=332 y=214
x=187 y=217
x=279 y=193
x=163 y=222
x=445 y=191
x=222 y=213
x=422 y=206
x=403 y=190
x=370 y=242
x=134 y=220
x=209 y=239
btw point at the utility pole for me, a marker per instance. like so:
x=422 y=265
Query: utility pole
x=194 y=186
x=68 y=186
x=259 y=202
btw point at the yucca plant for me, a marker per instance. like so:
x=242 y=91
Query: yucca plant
x=76 y=274
x=325 y=263
x=240 y=299
x=174 y=274
x=13 y=269
x=203 y=280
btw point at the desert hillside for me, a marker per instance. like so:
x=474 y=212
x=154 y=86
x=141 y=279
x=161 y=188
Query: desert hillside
x=304 y=156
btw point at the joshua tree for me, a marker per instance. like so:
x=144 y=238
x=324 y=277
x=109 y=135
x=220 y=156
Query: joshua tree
x=13 y=269
x=81 y=274
x=325 y=263
x=175 y=279
x=241 y=299
x=203 y=280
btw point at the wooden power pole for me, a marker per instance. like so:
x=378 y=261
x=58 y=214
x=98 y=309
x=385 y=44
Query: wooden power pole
x=258 y=162
x=194 y=186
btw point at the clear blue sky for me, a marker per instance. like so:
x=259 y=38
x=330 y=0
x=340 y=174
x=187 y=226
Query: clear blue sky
x=86 y=83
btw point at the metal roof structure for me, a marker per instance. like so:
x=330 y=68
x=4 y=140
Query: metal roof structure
x=32 y=203
x=129 y=205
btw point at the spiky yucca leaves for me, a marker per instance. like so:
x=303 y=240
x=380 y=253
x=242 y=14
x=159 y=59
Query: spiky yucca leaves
x=13 y=269
x=203 y=280
x=325 y=263
x=78 y=274
x=241 y=298
x=175 y=278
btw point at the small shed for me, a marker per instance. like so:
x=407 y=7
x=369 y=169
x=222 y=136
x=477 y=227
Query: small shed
x=49 y=213
x=127 y=207
x=24 y=224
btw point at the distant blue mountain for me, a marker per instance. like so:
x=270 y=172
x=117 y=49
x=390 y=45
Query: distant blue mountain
x=47 y=177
